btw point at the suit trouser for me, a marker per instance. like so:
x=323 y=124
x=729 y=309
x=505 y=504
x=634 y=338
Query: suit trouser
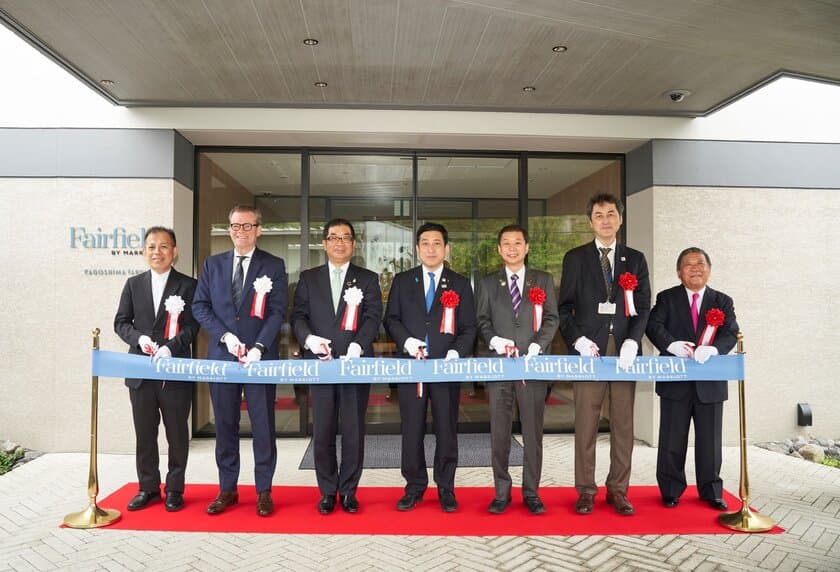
x=674 y=418
x=445 y=400
x=339 y=406
x=227 y=400
x=588 y=399
x=151 y=401
x=531 y=401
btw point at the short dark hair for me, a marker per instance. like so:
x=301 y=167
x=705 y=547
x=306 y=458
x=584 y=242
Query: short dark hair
x=156 y=229
x=246 y=209
x=693 y=250
x=338 y=222
x=433 y=227
x=512 y=228
x=604 y=198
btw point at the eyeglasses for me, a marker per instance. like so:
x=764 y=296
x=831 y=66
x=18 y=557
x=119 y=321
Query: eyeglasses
x=345 y=238
x=244 y=226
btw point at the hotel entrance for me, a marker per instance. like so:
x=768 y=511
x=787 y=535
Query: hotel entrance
x=387 y=196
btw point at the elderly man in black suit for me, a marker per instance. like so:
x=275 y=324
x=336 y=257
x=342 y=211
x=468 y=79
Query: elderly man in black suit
x=692 y=321
x=154 y=318
x=337 y=311
x=430 y=313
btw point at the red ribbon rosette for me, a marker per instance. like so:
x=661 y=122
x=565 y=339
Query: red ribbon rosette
x=714 y=319
x=537 y=297
x=449 y=300
x=628 y=283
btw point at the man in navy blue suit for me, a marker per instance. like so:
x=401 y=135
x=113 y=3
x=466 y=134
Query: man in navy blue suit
x=241 y=302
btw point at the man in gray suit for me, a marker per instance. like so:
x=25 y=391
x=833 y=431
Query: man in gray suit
x=508 y=307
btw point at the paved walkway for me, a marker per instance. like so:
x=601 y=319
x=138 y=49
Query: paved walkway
x=803 y=497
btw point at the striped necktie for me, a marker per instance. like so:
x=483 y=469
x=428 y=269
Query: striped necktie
x=515 y=295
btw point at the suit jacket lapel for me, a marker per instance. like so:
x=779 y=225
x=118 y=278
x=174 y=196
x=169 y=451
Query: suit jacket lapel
x=349 y=278
x=504 y=291
x=683 y=309
x=254 y=269
x=619 y=268
x=146 y=296
x=594 y=263
x=168 y=290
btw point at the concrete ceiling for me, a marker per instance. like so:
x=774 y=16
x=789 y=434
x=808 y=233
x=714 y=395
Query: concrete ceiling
x=622 y=56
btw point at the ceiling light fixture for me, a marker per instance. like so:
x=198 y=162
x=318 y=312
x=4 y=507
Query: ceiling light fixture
x=310 y=42
x=676 y=95
x=529 y=89
x=107 y=82
x=559 y=49
x=321 y=84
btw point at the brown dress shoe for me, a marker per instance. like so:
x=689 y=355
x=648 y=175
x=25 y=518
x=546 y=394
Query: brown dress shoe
x=585 y=503
x=265 y=506
x=620 y=503
x=221 y=502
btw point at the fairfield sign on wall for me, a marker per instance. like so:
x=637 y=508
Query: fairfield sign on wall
x=117 y=241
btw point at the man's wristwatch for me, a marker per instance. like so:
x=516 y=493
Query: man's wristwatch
x=260 y=347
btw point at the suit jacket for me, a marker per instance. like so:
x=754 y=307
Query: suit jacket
x=406 y=314
x=670 y=321
x=214 y=310
x=314 y=314
x=136 y=315
x=582 y=289
x=494 y=310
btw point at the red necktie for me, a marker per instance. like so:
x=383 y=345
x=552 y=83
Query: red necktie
x=695 y=314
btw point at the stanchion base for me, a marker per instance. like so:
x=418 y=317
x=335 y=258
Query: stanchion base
x=92 y=517
x=746 y=520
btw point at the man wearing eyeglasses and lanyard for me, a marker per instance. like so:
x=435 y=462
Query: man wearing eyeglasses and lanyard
x=241 y=302
x=594 y=322
x=337 y=311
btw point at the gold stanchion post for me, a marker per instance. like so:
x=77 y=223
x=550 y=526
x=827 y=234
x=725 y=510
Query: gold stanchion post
x=93 y=516
x=746 y=519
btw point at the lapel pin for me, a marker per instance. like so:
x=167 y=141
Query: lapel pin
x=623 y=259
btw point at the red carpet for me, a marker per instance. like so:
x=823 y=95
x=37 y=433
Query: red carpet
x=295 y=513
x=380 y=400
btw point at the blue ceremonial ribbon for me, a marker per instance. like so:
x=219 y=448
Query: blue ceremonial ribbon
x=395 y=370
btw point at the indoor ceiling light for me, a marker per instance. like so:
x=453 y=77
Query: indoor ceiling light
x=529 y=88
x=676 y=95
x=321 y=84
x=310 y=42
x=107 y=82
x=559 y=49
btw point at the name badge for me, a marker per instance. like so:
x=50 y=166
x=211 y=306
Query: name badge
x=607 y=308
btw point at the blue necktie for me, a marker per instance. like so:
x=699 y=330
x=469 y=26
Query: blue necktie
x=430 y=293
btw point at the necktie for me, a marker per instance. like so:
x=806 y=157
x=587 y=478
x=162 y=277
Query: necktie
x=336 y=288
x=238 y=281
x=695 y=313
x=430 y=293
x=606 y=268
x=515 y=295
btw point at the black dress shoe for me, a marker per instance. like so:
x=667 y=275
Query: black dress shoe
x=409 y=501
x=717 y=504
x=534 y=505
x=222 y=502
x=498 y=506
x=670 y=502
x=585 y=503
x=447 y=501
x=327 y=504
x=174 y=501
x=142 y=499
x=265 y=506
x=349 y=503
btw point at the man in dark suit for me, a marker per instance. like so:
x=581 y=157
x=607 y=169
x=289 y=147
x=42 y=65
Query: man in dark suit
x=337 y=311
x=241 y=301
x=596 y=319
x=507 y=322
x=420 y=325
x=678 y=327
x=154 y=318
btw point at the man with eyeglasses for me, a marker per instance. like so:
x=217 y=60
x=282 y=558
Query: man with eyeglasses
x=337 y=311
x=241 y=302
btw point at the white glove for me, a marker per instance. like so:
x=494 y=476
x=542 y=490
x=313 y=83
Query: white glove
x=234 y=346
x=318 y=345
x=533 y=350
x=627 y=354
x=498 y=344
x=354 y=350
x=163 y=352
x=412 y=346
x=147 y=346
x=681 y=349
x=703 y=353
x=586 y=347
x=451 y=354
x=254 y=355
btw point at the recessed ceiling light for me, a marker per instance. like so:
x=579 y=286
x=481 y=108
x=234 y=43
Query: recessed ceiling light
x=310 y=42
x=529 y=88
x=559 y=49
x=676 y=95
x=321 y=84
x=107 y=82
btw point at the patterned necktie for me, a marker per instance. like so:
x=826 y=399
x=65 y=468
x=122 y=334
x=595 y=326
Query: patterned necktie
x=336 y=288
x=695 y=311
x=238 y=282
x=606 y=268
x=430 y=293
x=515 y=295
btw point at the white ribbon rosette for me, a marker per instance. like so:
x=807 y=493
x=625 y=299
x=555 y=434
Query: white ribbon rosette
x=353 y=297
x=262 y=286
x=173 y=305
